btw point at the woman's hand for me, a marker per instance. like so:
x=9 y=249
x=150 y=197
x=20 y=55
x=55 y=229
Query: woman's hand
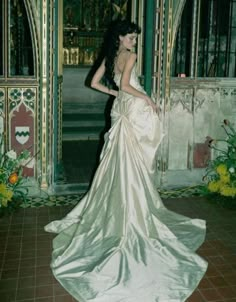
x=152 y=104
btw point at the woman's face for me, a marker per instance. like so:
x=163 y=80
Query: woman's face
x=128 y=41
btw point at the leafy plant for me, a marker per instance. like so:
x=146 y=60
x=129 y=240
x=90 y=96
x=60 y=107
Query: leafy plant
x=12 y=188
x=221 y=172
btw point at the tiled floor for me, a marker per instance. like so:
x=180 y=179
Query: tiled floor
x=25 y=251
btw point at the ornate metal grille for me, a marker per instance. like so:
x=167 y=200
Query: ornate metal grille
x=1 y=39
x=16 y=50
x=209 y=25
x=20 y=44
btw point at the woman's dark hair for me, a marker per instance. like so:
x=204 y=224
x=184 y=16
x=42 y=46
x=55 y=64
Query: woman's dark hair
x=112 y=42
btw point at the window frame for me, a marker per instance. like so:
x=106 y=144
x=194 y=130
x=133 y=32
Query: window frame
x=6 y=49
x=200 y=47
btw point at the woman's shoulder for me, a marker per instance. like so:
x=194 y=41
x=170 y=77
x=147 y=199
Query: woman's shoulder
x=130 y=55
x=131 y=59
x=127 y=58
x=133 y=54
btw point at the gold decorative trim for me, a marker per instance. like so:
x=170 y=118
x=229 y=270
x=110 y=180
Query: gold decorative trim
x=44 y=92
x=59 y=126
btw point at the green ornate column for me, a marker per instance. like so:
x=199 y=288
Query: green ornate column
x=148 y=52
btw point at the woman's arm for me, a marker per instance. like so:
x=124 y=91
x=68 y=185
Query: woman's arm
x=125 y=81
x=95 y=83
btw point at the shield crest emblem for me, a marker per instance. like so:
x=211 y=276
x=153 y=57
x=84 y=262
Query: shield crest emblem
x=22 y=134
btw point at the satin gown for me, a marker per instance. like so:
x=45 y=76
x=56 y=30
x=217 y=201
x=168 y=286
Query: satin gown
x=120 y=243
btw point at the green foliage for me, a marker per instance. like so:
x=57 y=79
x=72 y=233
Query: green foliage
x=12 y=183
x=221 y=172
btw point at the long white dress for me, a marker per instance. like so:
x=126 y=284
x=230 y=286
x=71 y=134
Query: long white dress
x=120 y=243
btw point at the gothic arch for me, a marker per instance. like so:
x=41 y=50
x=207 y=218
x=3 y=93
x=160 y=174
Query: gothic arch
x=33 y=19
x=177 y=14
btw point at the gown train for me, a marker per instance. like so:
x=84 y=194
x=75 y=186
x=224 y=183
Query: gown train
x=120 y=243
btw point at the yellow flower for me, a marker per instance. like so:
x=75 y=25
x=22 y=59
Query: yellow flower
x=3 y=189
x=221 y=169
x=9 y=195
x=225 y=178
x=214 y=186
x=6 y=194
x=228 y=191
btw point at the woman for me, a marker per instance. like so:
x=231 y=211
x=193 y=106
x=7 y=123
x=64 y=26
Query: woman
x=120 y=243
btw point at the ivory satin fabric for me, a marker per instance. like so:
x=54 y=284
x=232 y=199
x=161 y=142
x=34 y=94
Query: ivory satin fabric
x=120 y=244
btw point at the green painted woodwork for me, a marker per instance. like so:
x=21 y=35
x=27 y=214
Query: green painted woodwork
x=148 y=51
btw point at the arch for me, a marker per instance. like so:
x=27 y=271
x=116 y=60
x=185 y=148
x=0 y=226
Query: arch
x=32 y=14
x=177 y=14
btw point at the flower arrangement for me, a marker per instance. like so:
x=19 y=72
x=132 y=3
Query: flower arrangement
x=221 y=171
x=12 y=189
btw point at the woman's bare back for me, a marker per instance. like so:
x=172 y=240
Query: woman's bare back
x=120 y=61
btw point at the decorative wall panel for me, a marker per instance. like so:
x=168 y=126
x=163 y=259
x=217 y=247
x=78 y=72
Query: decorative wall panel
x=197 y=110
x=181 y=97
x=22 y=116
x=180 y=134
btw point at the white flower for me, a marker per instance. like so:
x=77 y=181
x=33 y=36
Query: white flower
x=231 y=170
x=11 y=154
